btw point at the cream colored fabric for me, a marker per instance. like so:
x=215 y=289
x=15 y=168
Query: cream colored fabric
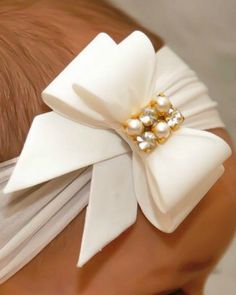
x=90 y=99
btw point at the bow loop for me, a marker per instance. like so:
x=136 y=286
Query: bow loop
x=124 y=82
x=59 y=94
x=178 y=168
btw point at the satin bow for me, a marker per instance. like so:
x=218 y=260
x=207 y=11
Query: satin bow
x=91 y=98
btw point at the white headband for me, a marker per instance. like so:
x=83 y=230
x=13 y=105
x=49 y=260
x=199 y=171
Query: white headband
x=92 y=99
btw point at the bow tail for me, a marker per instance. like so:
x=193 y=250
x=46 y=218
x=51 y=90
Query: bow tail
x=112 y=205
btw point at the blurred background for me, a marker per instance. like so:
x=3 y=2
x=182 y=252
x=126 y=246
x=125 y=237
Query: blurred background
x=203 y=33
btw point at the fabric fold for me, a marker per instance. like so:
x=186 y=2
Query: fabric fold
x=45 y=225
x=61 y=191
x=186 y=91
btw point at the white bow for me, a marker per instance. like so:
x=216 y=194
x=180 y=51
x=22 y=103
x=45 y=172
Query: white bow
x=91 y=98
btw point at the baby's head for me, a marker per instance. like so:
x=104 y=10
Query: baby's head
x=37 y=40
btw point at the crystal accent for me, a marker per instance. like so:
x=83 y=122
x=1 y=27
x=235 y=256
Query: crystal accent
x=148 y=116
x=147 y=141
x=170 y=112
x=153 y=124
x=174 y=118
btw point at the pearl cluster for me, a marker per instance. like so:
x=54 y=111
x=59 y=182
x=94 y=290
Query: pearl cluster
x=154 y=124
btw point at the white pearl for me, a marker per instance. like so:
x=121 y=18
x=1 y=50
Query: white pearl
x=163 y=104
x=161 y=130
x=134 y=127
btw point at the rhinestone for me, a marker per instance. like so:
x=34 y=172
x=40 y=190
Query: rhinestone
x=174 y=118
x=170 y=112
x=147 y=141
x=145 y=146
x=148 y=117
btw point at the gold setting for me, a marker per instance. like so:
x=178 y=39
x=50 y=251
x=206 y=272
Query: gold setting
x=154 y=123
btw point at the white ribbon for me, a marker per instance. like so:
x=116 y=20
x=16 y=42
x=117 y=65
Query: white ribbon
x=91 y=99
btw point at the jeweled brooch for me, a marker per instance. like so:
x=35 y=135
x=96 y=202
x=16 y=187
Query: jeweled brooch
x=154 y=123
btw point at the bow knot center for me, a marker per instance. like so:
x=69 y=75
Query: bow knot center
x=154 y=123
